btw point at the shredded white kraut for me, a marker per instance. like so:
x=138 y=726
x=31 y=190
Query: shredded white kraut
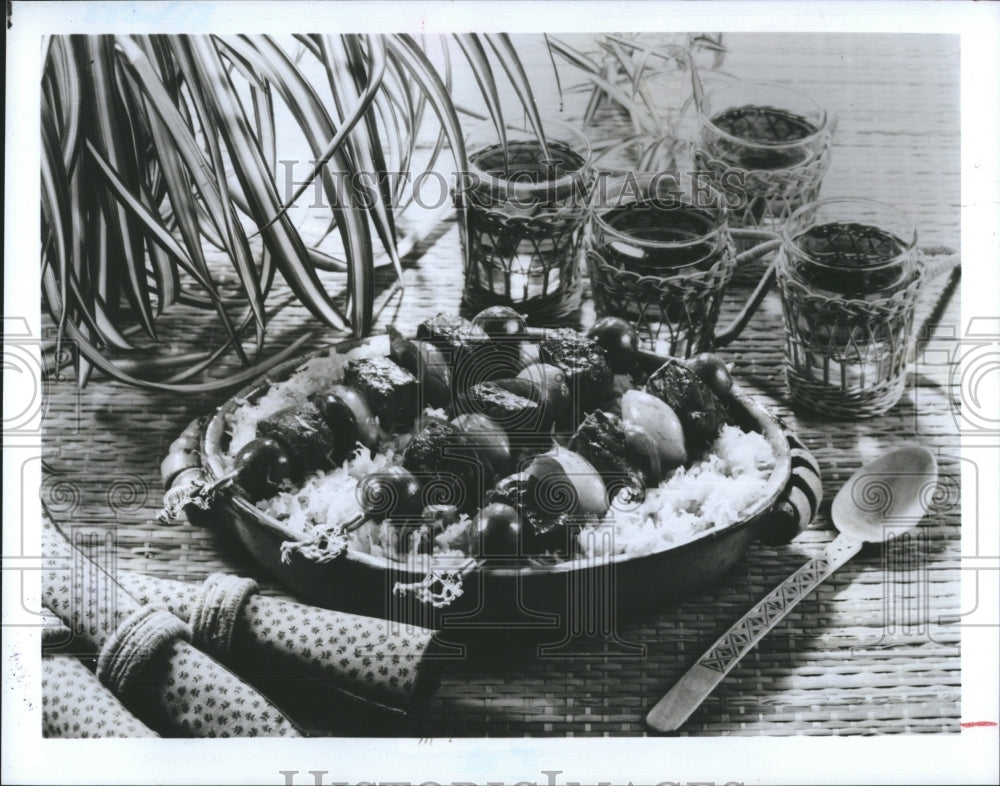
x=712 y=493
x=325 y=499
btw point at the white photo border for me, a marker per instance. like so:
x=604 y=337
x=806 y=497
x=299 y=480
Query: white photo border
x=968 y=757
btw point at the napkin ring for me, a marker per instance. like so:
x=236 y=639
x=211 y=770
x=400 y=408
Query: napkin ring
x=216 y=608
x=141 y=635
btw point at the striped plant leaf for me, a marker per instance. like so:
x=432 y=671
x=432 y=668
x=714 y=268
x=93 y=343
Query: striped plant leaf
x=109 y=129
x=368 y=152
x=423 y=73
x=421 y=99
x=157 y=232
x=198 y=57
x=475 y=53
x=361 y=152
x=55 y=193
x=91 y=354
x=65 y=96
x=290 y=253
x=157 y=148
x=196 y=164
x=507 y=55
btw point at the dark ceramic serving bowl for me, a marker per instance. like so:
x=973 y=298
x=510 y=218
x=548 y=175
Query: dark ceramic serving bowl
x=555 y=596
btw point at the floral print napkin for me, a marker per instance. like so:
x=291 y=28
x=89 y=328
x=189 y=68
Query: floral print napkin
x=373 y=659
x=74 y=702
x=160 y=677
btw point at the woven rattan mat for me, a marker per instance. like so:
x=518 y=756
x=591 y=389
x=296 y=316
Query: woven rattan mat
x=875 y=650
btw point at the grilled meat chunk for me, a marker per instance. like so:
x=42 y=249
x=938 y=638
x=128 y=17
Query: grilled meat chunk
x=446 y=464
x=452 y=332
x=512 y=412
x=391 y=391
x=304 y=434
x=461 y=343
x=540 y=531
x=585 y=364
x=701 y=412
x=510 y=490
x=601 y=440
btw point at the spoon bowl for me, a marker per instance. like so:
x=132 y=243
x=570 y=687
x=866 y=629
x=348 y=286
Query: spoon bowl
x=888 y=491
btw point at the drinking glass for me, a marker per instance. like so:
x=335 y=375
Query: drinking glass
x=849 y=280
x=660 y=254
x=524 y=209
x=768 y=141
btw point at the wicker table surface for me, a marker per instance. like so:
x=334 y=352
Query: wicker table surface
x=874 y=650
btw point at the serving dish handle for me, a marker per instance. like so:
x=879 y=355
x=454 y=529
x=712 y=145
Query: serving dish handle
x=799 y=501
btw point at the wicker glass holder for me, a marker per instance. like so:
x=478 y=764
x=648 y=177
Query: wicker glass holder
x=674 y=315
x=850 y=278
x=523 y=222
x=847 y=358
x=768 y=148
x=662 y=256
x=529 y=263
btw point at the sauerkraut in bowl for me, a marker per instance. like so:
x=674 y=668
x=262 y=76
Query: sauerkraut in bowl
x=723 y=485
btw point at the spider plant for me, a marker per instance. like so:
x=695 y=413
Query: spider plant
x=618 y=72
x=162 y=197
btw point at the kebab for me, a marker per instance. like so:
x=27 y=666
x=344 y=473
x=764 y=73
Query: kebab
x=453 y=467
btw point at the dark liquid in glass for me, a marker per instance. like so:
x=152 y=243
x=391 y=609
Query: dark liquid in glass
x=762 y=125
x=854 y=260
x=532 y=266
x=525 y=165
x=651 y=224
